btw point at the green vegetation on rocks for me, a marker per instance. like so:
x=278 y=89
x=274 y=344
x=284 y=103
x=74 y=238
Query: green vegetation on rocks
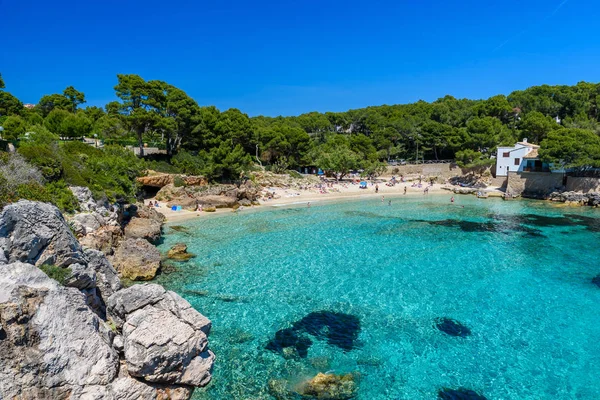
x=59 y=274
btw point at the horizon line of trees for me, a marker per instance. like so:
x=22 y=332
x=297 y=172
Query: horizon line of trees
x=565 y=120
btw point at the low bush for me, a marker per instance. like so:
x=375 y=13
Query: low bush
x=59 y=274
x=178 y=181
x=294 y=174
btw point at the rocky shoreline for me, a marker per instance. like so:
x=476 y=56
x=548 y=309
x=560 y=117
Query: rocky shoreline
x=576 y=198
x=82 y=335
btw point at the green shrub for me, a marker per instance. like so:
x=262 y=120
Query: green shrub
x=32 y=191
x=62 y=196
x=294 y=174
x=178 y=181
x=162 y=166
x=45 y=156
x=59 y=274
x=188 y=163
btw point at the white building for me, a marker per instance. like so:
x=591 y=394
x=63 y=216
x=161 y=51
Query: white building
x=522 y=157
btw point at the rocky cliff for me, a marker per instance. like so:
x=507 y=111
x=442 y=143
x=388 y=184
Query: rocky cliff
x=86 y=337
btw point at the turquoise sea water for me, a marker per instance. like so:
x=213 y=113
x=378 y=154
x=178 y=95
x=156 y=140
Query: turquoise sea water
x=517 y=274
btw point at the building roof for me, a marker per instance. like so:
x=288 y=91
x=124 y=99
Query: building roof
x=533 y=153
x=535 y=146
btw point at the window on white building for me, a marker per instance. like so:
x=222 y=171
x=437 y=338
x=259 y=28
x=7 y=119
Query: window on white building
x=517 y=161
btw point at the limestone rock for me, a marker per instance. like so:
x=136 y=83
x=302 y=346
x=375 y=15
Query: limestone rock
x=577 y=198
x=84 y=197
x=86 y=223
x=164 y=337
x=179 y=252
x=218 y=201
x=191 y=180
x=37 y=233
x=186 y=202
x=107 y=279
x=144 y=211
x=136 y=259
x=143 y=228
x=465 y=190
x=54 y=345
x=160 y=180
x=156 y=180
x=170 y=192
x=208 y=195
x=128 y=388
x=104 y=239
x=329 y=386
x=81 y=277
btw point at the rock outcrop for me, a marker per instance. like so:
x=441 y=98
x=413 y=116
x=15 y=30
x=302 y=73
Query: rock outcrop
x=37 y=233
x=159 y=180
x=179 y=252
x=107 y=280
x=143 y=211
x=54 y=345
x=143 y=228
x=136 y=259
x=84 y=197
x=105 y=239
x=164 y=337
x=85 y=223
x=322 y=386
x=577 y=198
x=56 y=341
x=209 y=195
x=329 y=386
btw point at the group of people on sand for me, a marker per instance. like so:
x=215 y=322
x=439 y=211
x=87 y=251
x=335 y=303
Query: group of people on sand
x=393 y=181
x=155 y=204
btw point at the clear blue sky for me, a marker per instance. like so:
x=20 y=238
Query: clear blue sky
x=286 y=58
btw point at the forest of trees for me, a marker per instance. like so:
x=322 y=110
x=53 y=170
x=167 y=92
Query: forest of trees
x=565 y=120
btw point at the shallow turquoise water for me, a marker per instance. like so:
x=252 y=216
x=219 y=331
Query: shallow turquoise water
x=517 y=274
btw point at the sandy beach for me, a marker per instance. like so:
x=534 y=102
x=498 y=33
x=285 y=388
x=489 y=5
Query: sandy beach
x=339 y=191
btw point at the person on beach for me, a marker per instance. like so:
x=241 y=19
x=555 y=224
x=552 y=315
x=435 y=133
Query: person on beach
x=308 y=204
x=404 y=189
x=452 y=199
x=377 y=188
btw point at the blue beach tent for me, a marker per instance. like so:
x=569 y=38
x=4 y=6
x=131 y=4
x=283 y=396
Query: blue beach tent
x=363 y=185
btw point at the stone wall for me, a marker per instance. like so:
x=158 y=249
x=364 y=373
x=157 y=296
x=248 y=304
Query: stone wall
x=425 y=170
x=584 y=185
x=534 y=184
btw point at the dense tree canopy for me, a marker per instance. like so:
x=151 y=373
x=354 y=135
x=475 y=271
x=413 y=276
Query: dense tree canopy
x=222 y=143
x=571 y=148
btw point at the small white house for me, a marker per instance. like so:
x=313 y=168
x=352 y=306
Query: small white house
x=522 y=157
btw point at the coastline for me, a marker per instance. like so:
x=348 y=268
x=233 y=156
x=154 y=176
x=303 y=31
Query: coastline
x=289 y=197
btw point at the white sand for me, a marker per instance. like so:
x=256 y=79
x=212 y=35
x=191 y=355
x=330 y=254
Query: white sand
x=341 y=191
